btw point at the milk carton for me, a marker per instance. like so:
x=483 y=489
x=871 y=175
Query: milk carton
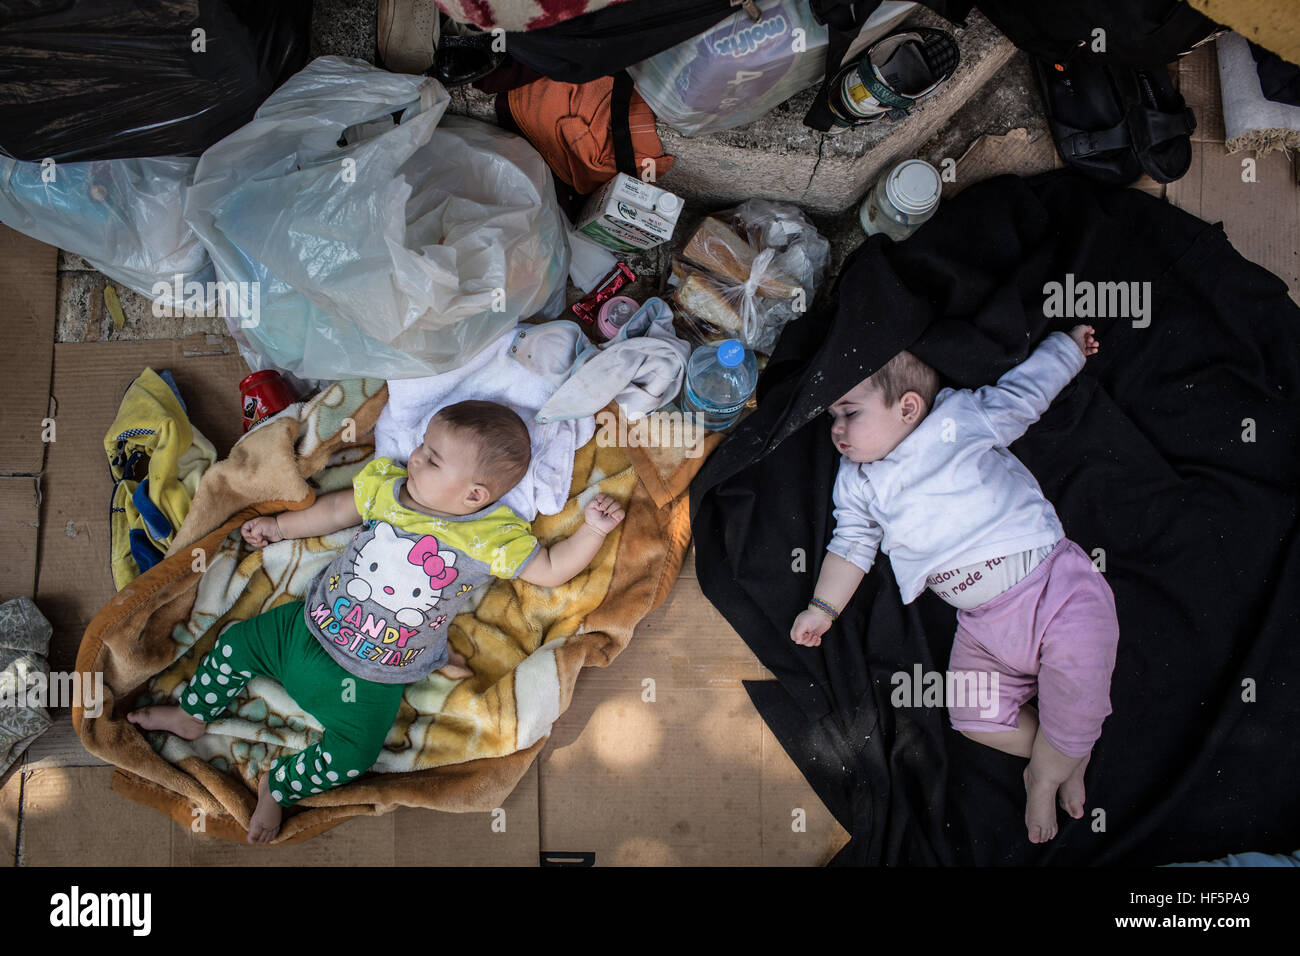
x=627 y=214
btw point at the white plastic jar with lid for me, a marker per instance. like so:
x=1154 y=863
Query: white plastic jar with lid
x=900 y=200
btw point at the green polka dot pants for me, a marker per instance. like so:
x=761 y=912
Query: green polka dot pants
x=357 y=714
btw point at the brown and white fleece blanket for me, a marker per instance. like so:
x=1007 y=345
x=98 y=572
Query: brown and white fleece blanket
x=456 y=745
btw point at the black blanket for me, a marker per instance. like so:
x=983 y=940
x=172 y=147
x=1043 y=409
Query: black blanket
x=1172 y=457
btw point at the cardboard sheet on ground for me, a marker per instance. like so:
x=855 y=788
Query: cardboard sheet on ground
x=456 y=746
x=1255 y=198
x=29 y=283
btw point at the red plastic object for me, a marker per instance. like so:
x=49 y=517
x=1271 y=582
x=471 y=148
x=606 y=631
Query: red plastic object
x=588 y=307
x=264 y=394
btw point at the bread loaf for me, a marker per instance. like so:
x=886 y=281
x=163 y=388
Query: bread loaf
x=716 y=247
x=701 y=297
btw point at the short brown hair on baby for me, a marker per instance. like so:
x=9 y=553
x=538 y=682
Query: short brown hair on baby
x=504 y=448
x=905 y=373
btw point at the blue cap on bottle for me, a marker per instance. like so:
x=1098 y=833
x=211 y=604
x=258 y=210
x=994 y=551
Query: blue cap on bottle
x=730 y=353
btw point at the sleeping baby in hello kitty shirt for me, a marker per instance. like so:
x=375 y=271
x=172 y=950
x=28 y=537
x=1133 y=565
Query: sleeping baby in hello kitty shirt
x=433 y=532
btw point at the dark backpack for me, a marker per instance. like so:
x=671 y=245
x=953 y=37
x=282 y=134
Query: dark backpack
x=1138 y=33
x=614 y=37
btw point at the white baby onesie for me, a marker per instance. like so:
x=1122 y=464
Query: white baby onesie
x=951 y=494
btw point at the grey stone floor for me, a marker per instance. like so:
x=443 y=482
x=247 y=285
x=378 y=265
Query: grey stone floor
x=344 y=28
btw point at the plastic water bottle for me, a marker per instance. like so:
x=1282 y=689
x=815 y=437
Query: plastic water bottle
x=719 y=380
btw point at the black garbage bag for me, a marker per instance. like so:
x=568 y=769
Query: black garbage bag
x=117 y=79
x=1122 y=32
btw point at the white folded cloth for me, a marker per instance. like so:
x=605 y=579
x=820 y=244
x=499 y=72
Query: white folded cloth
x=642 y=367
x=1250 y=120
x=491 y=376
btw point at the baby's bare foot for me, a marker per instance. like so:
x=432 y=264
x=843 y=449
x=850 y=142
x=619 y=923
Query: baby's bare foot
x=171 y=719
x=1071 y=794
x=265 y=822
x=1040 y=808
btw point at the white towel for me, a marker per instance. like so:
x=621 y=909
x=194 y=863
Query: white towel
x=1251 y=121
x=641 y=368
x=494 y=377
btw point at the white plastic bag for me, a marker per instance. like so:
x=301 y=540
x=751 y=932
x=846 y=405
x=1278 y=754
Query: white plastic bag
x=401 y=253
x=123 y=216
x=737 y=70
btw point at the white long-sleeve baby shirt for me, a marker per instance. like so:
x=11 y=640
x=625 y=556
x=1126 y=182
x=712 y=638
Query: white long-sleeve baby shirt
x=951 y=493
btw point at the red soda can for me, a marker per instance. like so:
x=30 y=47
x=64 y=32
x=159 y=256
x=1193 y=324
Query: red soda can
x=264 y=394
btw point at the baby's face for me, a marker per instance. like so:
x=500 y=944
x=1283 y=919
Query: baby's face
x=865 y=429
x=441 y=472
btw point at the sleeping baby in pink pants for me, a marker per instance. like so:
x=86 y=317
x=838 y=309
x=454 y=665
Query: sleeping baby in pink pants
x=926 y=478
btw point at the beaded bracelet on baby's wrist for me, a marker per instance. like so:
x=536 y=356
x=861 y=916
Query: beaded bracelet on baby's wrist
x=821 y=605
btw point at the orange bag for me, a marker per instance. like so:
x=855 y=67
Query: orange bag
x=576 y=129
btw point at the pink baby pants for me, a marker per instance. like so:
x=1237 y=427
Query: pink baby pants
x=1053 y=634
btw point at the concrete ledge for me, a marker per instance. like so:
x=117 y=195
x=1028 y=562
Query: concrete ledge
x=777 y=157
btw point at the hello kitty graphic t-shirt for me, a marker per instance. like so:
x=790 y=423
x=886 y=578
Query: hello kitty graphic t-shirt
x=382 y=607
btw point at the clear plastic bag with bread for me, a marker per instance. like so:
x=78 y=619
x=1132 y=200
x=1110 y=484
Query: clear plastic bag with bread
x=745 y=272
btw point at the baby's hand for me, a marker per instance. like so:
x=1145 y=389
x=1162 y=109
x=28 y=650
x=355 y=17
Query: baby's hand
x=809 y=627
x=1084 y=338
x=603 y=513
x=259 y=532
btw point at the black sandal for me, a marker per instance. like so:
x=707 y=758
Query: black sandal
x=1088 y=118
x=1159 y=122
